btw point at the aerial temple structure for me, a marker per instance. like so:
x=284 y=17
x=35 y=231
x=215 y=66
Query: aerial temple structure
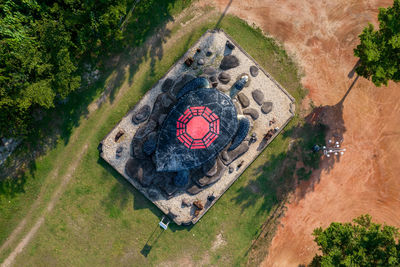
x=192 y=135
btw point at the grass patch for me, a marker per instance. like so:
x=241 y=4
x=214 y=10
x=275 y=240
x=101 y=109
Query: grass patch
x=102 y=220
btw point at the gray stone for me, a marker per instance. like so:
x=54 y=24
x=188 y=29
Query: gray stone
x=224 y=77
x=267 y=107
x=253 y=113
x=244 y=100
x=194 y=189
x=186 y=202
x=231 y=169
x=153 y=193
x=229 y=62
x=167 y=85
x=253 y=71
x=141 y=115
x=230 y=45
x=210 y=168
x=180 y=84
x=230 y=156
x=209 y=71
x=258 y=96
x=200 y=61
x=207 y=180
x=213 y=79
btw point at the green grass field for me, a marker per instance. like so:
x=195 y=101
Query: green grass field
x=102 y=220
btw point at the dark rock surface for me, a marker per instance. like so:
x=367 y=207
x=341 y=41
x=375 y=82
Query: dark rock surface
x=244 y=100
x=258 y=96
x=194 y=84
x=153 y=192
x=209 y=53
x=141 y=115
x=243 y=130
x=166 y=185
x=140 y=170
x=220 y=169
x=189 y=61
x=213 y=78
x=229 y=62
x=230 y=45
x=180 y=83
x=253 y=113
x=161 y=119
x=228 y=157
x=144 y=130
x=172 y=154
x=167 y=84
x=267 y=107
x=149 y=146
x=224 y=77
x=253 y=71
x=181 y=179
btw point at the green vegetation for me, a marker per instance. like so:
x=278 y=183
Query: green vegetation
x=363 y=243
x=379 y=51
x=101 y=219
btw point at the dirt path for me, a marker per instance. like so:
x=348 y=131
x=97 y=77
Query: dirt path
x=55 y=197
x=321 y=35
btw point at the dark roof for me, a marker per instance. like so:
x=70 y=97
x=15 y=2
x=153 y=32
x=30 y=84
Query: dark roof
x=197 y=128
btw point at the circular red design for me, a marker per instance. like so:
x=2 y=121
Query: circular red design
x=197 y=128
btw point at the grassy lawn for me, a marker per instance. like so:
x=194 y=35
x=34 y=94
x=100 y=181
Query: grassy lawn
x=102 y=220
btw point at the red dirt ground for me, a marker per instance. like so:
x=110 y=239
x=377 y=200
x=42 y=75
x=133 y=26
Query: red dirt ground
x=321 y=36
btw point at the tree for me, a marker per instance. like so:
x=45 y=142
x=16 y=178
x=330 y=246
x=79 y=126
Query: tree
x=360 y=244
x=379 y=50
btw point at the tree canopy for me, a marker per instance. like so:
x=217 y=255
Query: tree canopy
x=41 y=47
x=362 y=243
x=379 y=50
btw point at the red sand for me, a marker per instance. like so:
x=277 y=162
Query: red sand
x=321 y=36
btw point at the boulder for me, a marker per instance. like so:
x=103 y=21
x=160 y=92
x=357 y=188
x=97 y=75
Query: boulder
x=230 y=45
x=189 y=61
x=244 y=100
x=224 y=77
x=144 y=130
x=253 y=71
x=253 y=113
x=198 y=204
x=228 y=157
x=153 y=193
x=119 y=134
x=194 y=189
x=229 y=62
x=180 y=84
x=243 y=130
x=167 y=85
x=194 y=84
x=186 y=202
x=258 y=96
x=209 y=53
x=200 y=61
x=210 y=71
x=118 y=152
x=213 y=79
x=210 y=168
x=230 y=169
x=141 y=115
x=166 y=101
x=141 y=170
x=267 y=107
x=220 y=169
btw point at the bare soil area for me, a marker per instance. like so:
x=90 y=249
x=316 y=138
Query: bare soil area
x=321 y=35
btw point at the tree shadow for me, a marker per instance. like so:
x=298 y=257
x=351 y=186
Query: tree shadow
x=298 y=167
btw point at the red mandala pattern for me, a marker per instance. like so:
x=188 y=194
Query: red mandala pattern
x=197 y=128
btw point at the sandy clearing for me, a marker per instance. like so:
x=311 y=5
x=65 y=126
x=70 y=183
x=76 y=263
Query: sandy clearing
x=321 y=36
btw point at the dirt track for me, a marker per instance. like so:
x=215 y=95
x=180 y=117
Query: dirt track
x=321 y=36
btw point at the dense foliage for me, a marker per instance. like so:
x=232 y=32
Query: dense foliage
x=379 y=51
x=360 y=244
x=42 y=44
